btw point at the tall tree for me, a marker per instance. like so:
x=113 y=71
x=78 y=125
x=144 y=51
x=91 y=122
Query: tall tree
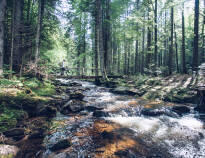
x=176 y=48
x=183 y=58
x=100 y=40
x=196 y=37
x=155 y=34
x=41 y=4
x=171 y=41
x=203 y=38
x=2 y=17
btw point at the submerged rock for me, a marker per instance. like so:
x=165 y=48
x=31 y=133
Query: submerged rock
x=62 y=144
x=152 y=112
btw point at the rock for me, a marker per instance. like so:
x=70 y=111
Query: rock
x=123 y=91
x=77 y=95
x=73 y=106
x=74 y=84
x=62 y=144
x=181 y=109
x=47 y=111
x=36 y=135
x=8 y=151
x=107 y=135
x=99 y=113
x=92 y=108
x=152 y=112
x=14 y=132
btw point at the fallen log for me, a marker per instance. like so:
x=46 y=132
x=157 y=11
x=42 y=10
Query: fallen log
x=87 y=77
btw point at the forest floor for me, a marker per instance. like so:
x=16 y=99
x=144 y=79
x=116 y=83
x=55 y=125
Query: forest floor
x=27 y=105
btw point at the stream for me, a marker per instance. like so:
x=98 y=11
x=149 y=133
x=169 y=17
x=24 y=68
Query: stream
x=129 y=128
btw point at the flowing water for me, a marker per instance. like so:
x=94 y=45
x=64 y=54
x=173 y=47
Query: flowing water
x=165 y=135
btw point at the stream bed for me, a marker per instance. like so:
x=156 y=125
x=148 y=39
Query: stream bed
x=122 y=126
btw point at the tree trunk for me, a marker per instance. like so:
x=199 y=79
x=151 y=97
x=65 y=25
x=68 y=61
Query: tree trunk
x=143 y=48
x=17 y=34
x=149 y=40
x=176 y=47
x=183 y=58
x=203 y=38
x=136 y=67
x=96 y=43
x=39 y=28
x=171 y=41
x=196 y=37
x=2 y=17
x=101 y=47
x=155 y=35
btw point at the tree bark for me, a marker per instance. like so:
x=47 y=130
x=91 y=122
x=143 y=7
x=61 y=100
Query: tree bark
x=155 y=34
x=183 y=58
x=196 y=37
x=203 y=38
x=176 y=48
x=41 y=4
x=149 y=40
x=136 y=68
x=171 y=42
x=2 y=18
x=101 y=47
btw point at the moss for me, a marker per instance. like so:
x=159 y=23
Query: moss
x=9 y=118
x=153 y=82
x=152 y=95
x=7 y=156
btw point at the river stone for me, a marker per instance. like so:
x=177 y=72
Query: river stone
x=62 y=144
x=77 y=95
x=181 y=109
x=14 y=132
x=73 y=106
x=123 y=91
x=152 y=112
x=99 y=113
x=92 y=108
x=8 y=151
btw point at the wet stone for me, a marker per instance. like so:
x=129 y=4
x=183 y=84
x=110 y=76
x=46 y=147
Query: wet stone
x=99 y=113
x=73 y=106
x=62 y=144
x=77 y=95
x=181 y=109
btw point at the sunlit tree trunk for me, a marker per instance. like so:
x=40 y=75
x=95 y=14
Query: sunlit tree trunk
x=176 y=49
x=2 y=18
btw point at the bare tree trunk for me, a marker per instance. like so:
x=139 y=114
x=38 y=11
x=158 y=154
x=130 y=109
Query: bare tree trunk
x=96 y=42
x=143 y=49
x=149 y=41
x=196 y=37
x=2 y=17
x=101 y=47
x=171 y=40
x=176 y=47
x=12 y=37
x=155 y=34
x=183 y=44
x=39 y=28
x=203 y=38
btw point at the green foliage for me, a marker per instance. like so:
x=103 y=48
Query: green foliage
x=9 y=117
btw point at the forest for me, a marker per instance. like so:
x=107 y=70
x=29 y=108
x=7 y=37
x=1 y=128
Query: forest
x=102 y=78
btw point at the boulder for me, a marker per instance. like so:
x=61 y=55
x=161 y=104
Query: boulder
x=99 y=113
x=8 y=151
x=76 y=95
x=62 y=144
x=181 y=109
x=73 y=106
